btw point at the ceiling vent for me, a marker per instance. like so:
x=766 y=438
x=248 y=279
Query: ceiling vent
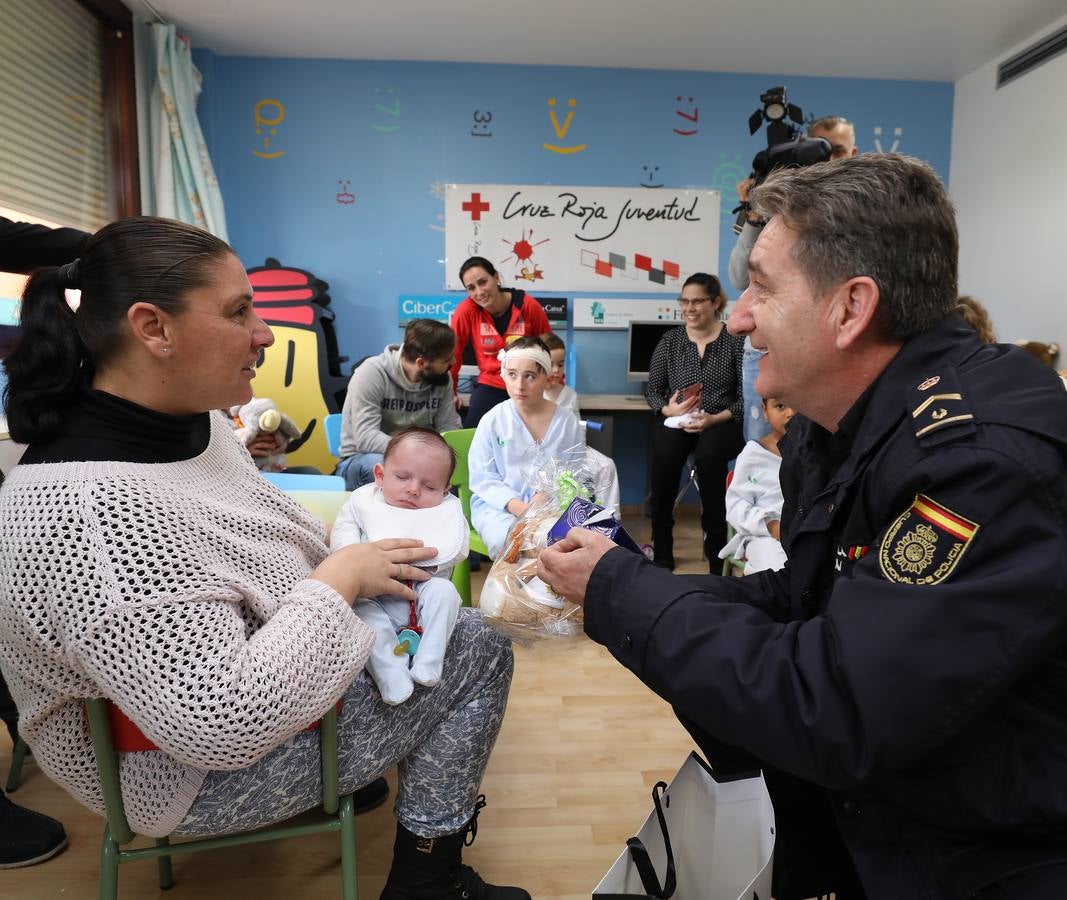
x=1033 y=56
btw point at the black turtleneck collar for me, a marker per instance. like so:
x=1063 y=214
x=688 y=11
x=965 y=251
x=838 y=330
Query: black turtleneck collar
x=101 y=427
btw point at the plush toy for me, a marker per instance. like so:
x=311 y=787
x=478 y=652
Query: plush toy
x=262 y=416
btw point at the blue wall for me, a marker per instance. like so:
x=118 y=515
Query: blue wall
x=393 y=130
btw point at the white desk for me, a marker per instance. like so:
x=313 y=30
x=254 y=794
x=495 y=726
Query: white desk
x=596 y=403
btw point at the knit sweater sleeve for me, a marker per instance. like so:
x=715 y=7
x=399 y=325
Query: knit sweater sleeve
x=212 y=696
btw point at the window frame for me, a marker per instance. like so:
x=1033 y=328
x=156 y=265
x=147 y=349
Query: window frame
x=120 y=103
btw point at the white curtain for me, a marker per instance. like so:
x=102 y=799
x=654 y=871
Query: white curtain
x=180 y=182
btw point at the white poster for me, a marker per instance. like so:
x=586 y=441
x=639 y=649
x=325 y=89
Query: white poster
x=582 y=238
x=613 y=313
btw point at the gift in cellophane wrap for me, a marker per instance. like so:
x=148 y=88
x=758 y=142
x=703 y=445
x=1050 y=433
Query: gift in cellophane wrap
x=514 y=600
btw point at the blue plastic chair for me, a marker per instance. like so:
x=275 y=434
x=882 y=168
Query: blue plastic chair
x=291 y=481
x=332 y=424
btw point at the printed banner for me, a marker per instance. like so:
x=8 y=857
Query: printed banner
x=441 y=306
x=611 y=313
x=582 y=238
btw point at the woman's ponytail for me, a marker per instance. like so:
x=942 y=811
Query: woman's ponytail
x=44 y=368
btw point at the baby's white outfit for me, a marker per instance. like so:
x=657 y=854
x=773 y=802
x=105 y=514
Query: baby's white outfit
x=367 y=517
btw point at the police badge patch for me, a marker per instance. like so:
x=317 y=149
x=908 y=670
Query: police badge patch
x=925 y=544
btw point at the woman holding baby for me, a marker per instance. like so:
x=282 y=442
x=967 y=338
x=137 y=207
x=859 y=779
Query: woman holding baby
x=143 y=559
x=694 y=385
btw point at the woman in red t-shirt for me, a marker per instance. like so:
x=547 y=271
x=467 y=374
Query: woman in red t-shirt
x=490 y=319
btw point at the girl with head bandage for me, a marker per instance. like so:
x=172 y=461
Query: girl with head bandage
x=511 y=435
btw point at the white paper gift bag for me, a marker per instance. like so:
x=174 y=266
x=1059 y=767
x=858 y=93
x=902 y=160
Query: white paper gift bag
x=704 y=840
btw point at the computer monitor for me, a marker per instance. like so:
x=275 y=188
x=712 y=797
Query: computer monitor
x=641 y=341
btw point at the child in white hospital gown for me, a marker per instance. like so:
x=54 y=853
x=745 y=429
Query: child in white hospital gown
x=512 y=435
x=754 y=498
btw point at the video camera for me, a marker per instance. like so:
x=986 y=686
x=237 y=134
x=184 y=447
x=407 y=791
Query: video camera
x=786 y=144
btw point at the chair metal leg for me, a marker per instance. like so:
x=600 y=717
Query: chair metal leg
x=166 y=875
x=18 y=756
x=349 y=887
x=109 y=867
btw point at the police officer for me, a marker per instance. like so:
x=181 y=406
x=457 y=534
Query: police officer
x=903 y=680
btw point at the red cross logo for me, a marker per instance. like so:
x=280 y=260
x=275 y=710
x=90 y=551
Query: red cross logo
x=476 y=206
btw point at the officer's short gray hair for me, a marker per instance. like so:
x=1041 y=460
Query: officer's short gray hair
x=882 y=215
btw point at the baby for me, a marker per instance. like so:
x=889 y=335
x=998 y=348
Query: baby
x=409 y=498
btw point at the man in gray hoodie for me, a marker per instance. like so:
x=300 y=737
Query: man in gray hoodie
x=406 y=384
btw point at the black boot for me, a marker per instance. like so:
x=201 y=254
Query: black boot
x=27 y=837
x=370 y=796
x=431 y=868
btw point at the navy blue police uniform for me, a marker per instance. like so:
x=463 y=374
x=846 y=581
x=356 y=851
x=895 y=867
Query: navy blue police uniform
x=903 y=681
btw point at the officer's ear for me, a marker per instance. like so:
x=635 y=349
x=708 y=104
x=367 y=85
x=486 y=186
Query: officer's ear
x=856 y=302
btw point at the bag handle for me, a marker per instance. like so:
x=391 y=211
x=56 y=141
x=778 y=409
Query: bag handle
x=649 y=879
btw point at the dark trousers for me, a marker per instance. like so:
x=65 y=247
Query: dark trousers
x=712 y=451
x=483 y=399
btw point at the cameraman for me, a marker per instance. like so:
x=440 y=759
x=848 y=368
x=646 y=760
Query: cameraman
x=840 y=134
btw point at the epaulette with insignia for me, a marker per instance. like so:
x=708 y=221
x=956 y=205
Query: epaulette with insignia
x=939 y=412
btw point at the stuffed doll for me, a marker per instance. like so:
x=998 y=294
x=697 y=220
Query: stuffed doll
x=262 y=416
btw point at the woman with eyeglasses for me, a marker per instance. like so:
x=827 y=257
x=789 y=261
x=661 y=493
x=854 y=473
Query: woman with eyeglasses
x=694 y=383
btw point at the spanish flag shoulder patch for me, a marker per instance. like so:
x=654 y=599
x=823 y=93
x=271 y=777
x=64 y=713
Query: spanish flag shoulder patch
x=925 y=543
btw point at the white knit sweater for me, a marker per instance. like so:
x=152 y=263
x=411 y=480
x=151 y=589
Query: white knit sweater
x=180 y=592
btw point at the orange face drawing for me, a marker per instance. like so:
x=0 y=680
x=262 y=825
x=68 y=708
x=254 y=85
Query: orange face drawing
x=269 y=115
x=561 y=130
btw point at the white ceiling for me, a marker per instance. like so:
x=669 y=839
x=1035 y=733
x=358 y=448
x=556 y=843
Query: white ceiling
x=940 y=40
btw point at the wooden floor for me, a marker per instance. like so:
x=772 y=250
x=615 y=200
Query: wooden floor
x=568 y=782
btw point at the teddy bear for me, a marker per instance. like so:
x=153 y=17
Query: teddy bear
x=262 y=416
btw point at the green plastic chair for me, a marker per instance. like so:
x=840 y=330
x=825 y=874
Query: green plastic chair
x=460 y=441
x=19 y=752
x=339 y=812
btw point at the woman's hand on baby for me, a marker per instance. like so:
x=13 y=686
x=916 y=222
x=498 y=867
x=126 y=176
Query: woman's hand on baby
x=371 y=570
x=679 y=407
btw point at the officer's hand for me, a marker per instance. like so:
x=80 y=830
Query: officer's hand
x=774 y=528
x=568 y=565
x=743 y=187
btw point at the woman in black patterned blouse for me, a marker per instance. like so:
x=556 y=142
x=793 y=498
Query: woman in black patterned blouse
x=700 y=352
